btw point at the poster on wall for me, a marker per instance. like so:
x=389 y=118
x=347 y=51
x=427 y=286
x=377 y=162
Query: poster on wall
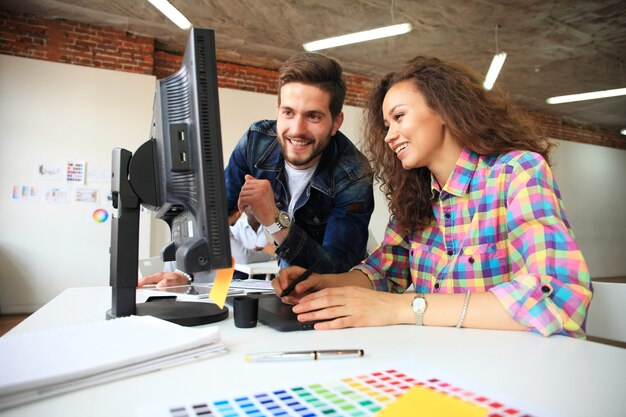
x=25 y=193
x=56 y=195
x=75 y=172
x=98 y=174
x=86 y=195
x=49 y=171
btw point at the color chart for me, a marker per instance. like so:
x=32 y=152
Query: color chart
x=359 y=396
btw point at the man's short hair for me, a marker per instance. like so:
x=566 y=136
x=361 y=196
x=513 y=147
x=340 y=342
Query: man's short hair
x=317 y=70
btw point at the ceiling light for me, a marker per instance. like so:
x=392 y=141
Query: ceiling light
x=587 y=96
x=172 y=13
x=357 y=37
x=496 y=64
x=494 y=70
x=623 y=132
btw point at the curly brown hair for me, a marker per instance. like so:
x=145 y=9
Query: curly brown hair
x=483 y=121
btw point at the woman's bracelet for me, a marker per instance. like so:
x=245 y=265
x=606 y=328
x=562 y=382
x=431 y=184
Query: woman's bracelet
x=465 y=303
x=187 y=275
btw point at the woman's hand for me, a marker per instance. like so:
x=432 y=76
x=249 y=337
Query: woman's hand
x=287 y=275
x=351 y=307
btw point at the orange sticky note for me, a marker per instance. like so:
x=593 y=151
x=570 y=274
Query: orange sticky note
x=219 y=290
x=427 y=402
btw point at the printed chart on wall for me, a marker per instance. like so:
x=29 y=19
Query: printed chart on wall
x=385 y=393
x=70 y=184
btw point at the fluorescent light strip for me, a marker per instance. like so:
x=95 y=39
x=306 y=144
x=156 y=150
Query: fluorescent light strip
x=494 y=70
x=357 y=37
x=587 y=96
x=172 y=13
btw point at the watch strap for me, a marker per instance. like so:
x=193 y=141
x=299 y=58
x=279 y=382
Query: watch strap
x=274 y=227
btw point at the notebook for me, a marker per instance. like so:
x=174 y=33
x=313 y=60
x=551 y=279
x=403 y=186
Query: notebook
x=80 y=356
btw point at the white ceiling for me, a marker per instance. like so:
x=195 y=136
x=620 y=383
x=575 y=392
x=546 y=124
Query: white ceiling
x=554 y=47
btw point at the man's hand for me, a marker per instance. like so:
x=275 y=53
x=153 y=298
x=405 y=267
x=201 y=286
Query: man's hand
x=269 y=248
x=164 y=279
x=258 y=195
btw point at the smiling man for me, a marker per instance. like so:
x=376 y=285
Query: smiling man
x=304 y=181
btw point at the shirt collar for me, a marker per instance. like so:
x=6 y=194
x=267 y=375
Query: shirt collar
x=462 y=174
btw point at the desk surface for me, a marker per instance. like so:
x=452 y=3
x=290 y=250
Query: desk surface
x=556 y=376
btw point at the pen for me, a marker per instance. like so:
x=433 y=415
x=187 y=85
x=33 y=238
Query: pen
x=304 y=355
x=298 y=280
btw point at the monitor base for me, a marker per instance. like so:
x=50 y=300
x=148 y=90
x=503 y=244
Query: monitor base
x=184 y=313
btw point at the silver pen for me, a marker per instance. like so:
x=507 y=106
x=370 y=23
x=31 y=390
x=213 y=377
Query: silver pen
x=304 y=355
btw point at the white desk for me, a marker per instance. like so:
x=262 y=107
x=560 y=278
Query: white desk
x=268 y=268
x=556 y=376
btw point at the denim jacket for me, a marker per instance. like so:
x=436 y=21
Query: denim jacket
x=332 y=215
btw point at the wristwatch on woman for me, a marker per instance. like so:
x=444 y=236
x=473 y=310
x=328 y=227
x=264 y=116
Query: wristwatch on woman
x=281 y=221
x=419 y=307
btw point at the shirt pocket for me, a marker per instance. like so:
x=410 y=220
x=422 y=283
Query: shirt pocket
x=483 y=266
x=425 y=263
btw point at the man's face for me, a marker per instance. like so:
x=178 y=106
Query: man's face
x=304 y=124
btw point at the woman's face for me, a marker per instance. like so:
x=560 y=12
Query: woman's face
x=415 y=132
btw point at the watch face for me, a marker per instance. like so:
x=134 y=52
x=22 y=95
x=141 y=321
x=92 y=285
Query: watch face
x=419 y=305
x=283 y=219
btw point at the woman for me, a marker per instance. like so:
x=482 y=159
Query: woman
x=477 y=221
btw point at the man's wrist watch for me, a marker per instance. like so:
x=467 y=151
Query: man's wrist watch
x=281 y=221
x=419 y=307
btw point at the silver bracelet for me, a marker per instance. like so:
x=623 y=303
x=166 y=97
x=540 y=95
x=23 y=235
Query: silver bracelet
x=465 y=303
x=189 y=277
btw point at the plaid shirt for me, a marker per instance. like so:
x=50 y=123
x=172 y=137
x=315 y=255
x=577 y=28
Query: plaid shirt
x=500 y=227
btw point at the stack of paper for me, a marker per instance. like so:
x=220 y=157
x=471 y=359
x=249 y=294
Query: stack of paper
x=43 y=364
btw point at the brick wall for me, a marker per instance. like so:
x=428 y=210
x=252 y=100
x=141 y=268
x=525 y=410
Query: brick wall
x=74 y=43
x=30 y=36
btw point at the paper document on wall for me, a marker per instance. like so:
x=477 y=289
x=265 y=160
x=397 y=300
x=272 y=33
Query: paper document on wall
x=43 y=364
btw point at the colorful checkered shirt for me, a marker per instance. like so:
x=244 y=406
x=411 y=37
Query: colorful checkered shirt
x=500 y=227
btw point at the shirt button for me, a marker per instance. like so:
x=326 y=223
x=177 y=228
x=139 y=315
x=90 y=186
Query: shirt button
x=545 y=289
x=449 y=252
x=471 y=260
x=437 y=286
x=447 y=215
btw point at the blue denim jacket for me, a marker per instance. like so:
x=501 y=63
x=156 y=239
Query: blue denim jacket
x=331 y=216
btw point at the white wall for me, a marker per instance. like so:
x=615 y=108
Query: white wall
x=52 y=112
x=591 y=179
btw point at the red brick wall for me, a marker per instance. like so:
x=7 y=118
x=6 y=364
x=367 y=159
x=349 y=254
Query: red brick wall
x=30 y=36
x=74 y=43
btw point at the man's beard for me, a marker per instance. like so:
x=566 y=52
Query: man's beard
x=317 y=149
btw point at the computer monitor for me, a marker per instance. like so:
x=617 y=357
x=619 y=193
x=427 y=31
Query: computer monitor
x=179 y=174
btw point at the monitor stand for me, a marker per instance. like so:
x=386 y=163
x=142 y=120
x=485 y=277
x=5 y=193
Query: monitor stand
x=125 y=255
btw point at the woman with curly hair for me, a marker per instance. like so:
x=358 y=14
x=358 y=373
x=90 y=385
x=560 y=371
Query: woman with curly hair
x=477 y=223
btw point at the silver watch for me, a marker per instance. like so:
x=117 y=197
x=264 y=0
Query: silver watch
x=281 y=221
x=419 y=307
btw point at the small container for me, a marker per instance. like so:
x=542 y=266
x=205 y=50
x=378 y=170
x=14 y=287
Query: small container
x=246 y=310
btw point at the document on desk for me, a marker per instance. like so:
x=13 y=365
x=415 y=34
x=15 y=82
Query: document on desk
x=39 y=365
x=253 y=285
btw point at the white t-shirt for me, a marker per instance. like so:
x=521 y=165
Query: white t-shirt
x=297 y=180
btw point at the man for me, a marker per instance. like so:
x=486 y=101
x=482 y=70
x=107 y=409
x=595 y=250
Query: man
x=304 y=181
x=301 y=178
x=248 y=242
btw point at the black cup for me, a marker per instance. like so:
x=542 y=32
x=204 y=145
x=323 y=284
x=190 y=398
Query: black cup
x=246 y=311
